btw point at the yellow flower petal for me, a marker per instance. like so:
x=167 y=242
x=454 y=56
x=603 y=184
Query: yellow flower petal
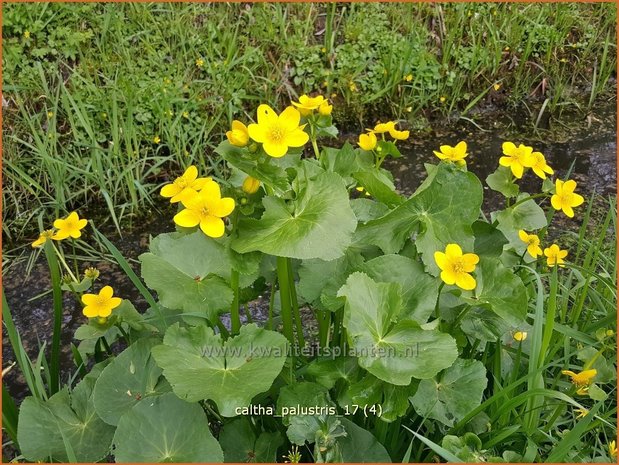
x=275 y=149
x=449 y=277
x=190 y=174
x=465 y=281
x=106 y=292
x=170 y=190
x=222 y=207
x=453 y=250
x=187 y=218
x=212 y=226
x=441 y=260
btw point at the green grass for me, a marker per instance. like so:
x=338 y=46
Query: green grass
x=90 y=86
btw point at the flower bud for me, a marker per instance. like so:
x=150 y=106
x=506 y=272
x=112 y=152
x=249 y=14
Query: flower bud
x=251 y=185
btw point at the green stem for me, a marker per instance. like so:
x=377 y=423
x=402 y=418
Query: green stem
x=271 y=303
x=54 y=269
x=438 y=299
x=61 y=259
x=222 y=329
x=77 y=270
x=550 y=316
x=235 y=317
x=315 y=147
x=284 y=297
x=531 y=197
x=295 y=305
x=124 y=333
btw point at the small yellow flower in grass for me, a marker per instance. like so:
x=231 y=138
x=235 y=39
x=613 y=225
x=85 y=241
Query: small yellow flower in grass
x=408 y=77
x=539 y=166
x=27 y=34
x=251 y=185
x=43 y=238
x=352 y=86
x=456 y=266
x=612 y=449
x=50 y=114
x=496 y=86
x=325 y=109
x=238 y=135
x=367 y=141
x=307 y=104
x=520 y=336
x=455 y=154
x=70 y=226
x=554 y=255
x=206 y=209
x=442 y=99
x=532 y=242
x=100 y=305
x=199 y=62
x=185 y=186
x=156 y=139
x=581 y=379
x=518 y=158
x=186 y=114
x=582 y=412
x=565 y=198
x=382 y=128
x=277 y=133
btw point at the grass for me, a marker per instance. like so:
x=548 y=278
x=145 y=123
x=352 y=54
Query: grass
x=90 y=121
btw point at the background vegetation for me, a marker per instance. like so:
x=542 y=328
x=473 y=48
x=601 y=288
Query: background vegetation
x=104 y=101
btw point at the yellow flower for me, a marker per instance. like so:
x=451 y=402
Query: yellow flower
x=100 y=305
x=455 y=266
x=278 y=133
x=555 y=255
x=156 y=139
x=442 y=99
x=307 y=104
x=520 y=336
x=408 y=77
x=206 y=209
x=199 y=62
x=50 y=114
x=582 y=412
x=70 y=226
x=565 y=198
x=352 y=86
x=532 y=242
x=251 y=185
x=399 y=135
x=367 y=141
x=43 y=238
x=518 y=158
x=186 y=114
x=185 y=186
x=581 y=379
x=238 y=135
x=612 y=449
x=539 y=166
x=27 y=34
x=325 y=109
x=455 y=154
x=497 y=86
x=381 y=128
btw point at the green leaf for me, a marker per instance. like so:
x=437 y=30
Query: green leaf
x=318 y=224
x=199 y=365
x=341 y=161
x=360 y=446
x=489 y=241
x=528 y=216
x=379 y=186
x=165 y=429
x=304 y=407
x=393 y=400
x=131 y=377
x=188 y=272
x=418 y=300
x=82 y=286
x=391 y=349
x=501 y=290
x=484 y=324
x=502 y=181
x=46 y=429
x=454 y=393
x=327 y=371
x=368 y=209
x=448 y=196
x=240 y=444
x=257 y=167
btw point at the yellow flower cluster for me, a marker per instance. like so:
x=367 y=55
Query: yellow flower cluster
x=369 y=141
x=307 y=105
x=554 y=255
x=455 y=154
x=202 y=200
x=70 y=226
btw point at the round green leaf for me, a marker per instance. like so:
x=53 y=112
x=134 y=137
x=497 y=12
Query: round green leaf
x=318 y=224
x=451 y=396
x=199 y=365
x=165 y=429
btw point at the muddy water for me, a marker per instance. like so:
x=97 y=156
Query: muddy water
x=592 y=150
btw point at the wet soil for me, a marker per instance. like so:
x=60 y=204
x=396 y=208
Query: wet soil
x=589 y=145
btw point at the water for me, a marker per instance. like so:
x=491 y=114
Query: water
x=592 y=150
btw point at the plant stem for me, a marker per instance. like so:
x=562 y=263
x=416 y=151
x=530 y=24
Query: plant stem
x=295 y=305
x=77 y=270
x=271 y=303
x=54 y=270
x=284 y=297
x=235 y=317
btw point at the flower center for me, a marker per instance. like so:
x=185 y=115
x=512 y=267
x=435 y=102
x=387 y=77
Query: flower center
x=204 y=212
x=531 y=241
x=458 y=266
x=181 y=182
x=566 y=198
x=277 y=134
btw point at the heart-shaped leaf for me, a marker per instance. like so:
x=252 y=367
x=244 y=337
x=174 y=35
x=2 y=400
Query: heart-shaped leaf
x=199 y=365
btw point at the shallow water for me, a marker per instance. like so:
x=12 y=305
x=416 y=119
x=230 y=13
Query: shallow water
x=592 y=150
